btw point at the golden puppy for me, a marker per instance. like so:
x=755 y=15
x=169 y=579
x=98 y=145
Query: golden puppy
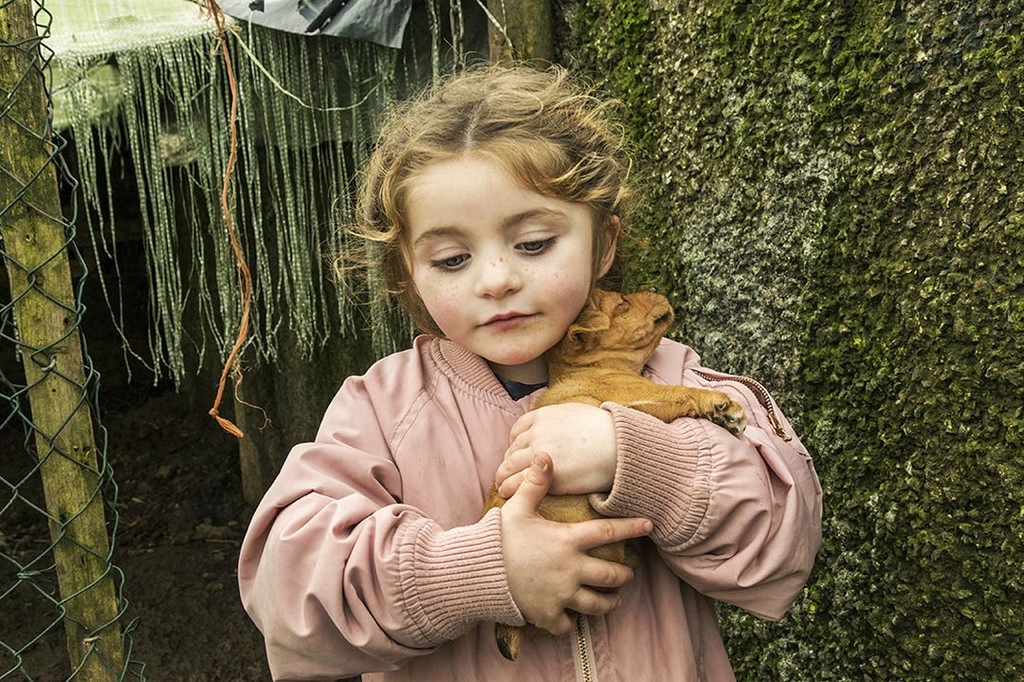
x=601 y=359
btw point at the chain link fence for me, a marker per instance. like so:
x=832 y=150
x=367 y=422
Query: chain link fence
x=62 y=608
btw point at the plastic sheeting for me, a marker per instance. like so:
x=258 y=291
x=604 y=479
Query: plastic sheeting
x=85 y=33
x=377 y=21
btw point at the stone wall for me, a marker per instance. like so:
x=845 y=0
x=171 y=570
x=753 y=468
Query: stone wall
x=832 y=197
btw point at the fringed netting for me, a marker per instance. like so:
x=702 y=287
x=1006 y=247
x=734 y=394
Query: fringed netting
x=308 y=106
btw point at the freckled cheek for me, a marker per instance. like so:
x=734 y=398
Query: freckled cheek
x=572 y=284
x=573 y=287
x=445 y=308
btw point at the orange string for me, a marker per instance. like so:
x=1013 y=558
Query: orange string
x=212 y=8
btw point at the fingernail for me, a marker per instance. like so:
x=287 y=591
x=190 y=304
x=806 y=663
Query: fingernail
x=647 y=526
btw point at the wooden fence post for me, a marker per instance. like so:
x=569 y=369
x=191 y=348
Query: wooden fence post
x=36 y=258
x=527 y=25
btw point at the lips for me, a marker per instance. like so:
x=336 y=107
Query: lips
x=507 y=319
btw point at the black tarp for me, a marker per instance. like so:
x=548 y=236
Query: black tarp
x=378 y=21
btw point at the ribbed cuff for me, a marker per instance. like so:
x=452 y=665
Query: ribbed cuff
x=453 y=579
x=661 y=475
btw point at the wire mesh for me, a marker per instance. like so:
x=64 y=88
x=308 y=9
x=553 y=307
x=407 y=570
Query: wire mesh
x=152 y=92
x=39 y=606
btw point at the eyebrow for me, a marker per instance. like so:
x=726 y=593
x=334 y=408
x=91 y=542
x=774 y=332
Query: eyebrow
x=514 y=220
x=506 y=224
x=436 y=233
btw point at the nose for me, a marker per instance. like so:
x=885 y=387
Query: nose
x=497 y=278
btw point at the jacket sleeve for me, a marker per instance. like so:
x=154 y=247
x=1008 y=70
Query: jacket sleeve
x=737 y=518
x=342 y=578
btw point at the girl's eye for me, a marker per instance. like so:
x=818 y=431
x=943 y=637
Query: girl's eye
x=537 y=246
x=450 y=263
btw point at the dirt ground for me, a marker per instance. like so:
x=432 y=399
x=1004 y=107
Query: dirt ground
x=182 y=517
x=181 y=514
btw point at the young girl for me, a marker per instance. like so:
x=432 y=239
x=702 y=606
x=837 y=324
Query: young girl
x=496 y=202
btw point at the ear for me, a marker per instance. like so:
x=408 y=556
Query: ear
x=611 y=241
x=590 y=319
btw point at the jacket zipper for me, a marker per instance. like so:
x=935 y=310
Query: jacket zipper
x=760 y=392
x=583 y=649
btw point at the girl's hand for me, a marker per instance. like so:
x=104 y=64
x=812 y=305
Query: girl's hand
x=546 y=562
x=581 y=442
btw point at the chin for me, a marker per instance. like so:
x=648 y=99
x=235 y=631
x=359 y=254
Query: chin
x=511 y=360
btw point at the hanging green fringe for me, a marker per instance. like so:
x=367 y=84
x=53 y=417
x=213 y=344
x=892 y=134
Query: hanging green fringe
x=308 y=107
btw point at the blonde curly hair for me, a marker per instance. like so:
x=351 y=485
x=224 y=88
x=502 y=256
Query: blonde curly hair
x=544 y=128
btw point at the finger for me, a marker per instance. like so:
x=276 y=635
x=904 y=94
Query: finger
x=517 y=463
x=604 y=574
x=591 y=534
x=561 y=624
x=508 y=487
x=536 y=483
x=520 y=442
x=521 y=425
x=593 y=603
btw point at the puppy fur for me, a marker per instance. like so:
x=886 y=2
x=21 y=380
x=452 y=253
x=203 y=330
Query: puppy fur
x=600 y=359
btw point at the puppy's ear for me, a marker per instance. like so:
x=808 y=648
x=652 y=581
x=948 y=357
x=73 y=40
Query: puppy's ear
x=589 y=321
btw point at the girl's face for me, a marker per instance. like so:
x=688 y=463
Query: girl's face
x=501 y=269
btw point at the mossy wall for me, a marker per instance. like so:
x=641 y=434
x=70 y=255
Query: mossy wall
x=835 y=205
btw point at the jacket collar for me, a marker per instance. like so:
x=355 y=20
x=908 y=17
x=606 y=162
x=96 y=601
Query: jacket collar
x=472 y=372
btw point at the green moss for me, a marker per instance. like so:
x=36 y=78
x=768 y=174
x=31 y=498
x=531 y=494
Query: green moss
x=619 y=53
x=837 y=210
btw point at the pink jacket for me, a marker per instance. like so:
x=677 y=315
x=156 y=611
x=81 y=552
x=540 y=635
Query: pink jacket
x=368 y=553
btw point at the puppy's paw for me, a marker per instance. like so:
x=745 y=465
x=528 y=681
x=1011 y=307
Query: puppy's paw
x=728 y=414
